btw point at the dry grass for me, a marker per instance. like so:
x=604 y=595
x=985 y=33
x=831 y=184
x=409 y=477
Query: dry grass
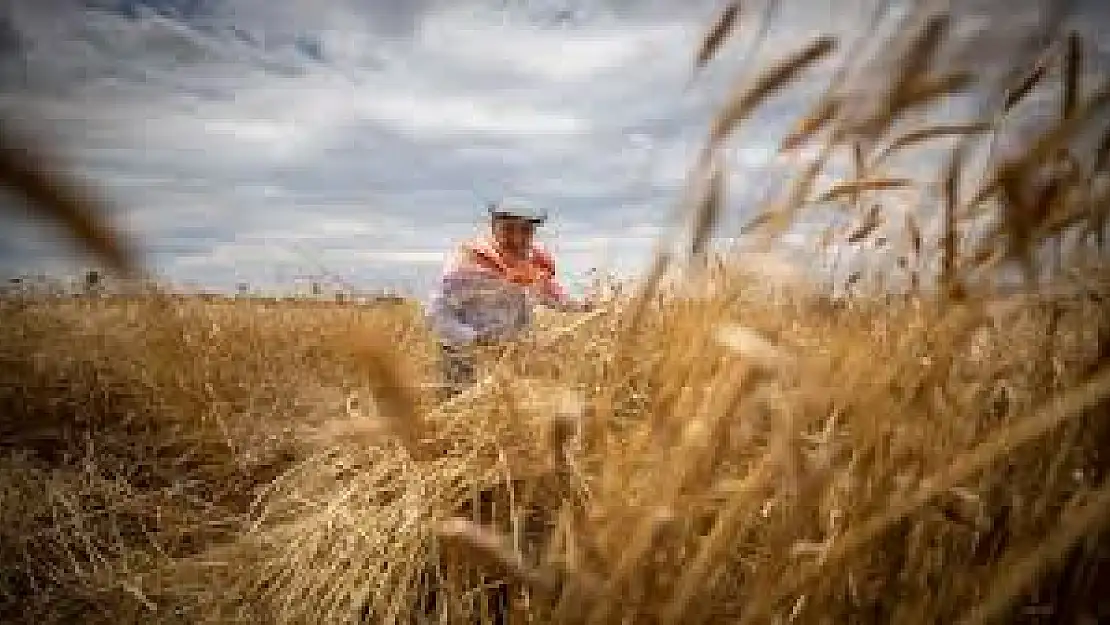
x=886 y=443
x=696 y=455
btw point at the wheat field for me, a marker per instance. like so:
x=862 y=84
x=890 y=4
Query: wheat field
x=701 y=450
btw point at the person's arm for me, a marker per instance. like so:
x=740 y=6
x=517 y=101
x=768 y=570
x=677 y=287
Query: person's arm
x=554 y=295
x=447 y=302
x=443 y=312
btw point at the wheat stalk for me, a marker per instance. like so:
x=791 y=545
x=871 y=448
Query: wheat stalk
x=61 y=199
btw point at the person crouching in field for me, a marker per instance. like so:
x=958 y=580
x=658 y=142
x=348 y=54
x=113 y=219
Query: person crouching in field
x=488 y=288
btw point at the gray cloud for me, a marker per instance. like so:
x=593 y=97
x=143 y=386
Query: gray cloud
x=234 y=133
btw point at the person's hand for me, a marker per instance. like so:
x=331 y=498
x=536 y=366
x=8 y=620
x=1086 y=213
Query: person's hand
x=584 y=306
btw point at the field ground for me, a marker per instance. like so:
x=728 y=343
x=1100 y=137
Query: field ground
x=873 y=462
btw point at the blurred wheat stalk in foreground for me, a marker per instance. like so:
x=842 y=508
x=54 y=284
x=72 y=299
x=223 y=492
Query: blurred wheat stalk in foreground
x=701 y=459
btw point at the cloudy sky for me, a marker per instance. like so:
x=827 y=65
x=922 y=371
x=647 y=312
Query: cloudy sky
x=263 y=140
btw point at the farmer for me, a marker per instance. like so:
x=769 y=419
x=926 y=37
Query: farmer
x=488 y=288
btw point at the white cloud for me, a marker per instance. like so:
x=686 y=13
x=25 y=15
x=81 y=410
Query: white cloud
x=575 y=55
x=431 y=115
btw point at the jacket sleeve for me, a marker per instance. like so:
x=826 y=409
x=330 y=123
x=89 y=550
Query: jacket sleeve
x=446 y=321
x=553 y=293
x=445 y=306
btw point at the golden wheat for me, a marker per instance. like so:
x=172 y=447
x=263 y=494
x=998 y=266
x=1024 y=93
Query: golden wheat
x=701 y=454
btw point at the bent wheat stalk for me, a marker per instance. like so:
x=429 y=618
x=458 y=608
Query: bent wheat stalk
x=1076 y=523
x=61 y=198
x=1024 y=431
